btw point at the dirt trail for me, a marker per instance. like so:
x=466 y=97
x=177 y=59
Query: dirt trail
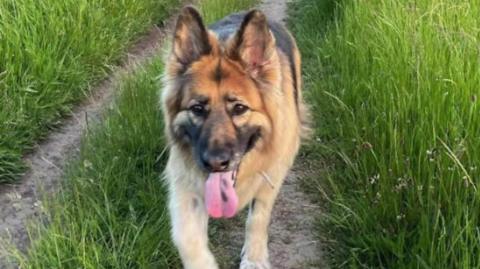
x=22 y=201
x=292 y=242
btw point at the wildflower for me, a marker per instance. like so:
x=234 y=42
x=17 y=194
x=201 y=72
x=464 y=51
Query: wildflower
x=374 y=179
x=431 y=154
x=376 y=200
x=402 y=184
x=87 y=164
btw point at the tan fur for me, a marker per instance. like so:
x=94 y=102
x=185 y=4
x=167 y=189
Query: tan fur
x=262 y=170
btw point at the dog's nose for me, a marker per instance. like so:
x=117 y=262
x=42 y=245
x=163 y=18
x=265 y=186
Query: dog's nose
x=216 y=161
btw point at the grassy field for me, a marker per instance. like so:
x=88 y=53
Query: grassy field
x=112 y=212
x=394 y=87
x=51 y=53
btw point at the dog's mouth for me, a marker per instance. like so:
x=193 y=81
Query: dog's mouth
x=221 y=198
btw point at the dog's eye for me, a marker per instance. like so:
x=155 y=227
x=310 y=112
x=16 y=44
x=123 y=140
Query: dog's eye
x=239 y=109
x=198 y=110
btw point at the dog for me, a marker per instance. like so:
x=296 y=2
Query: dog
x=234 y=119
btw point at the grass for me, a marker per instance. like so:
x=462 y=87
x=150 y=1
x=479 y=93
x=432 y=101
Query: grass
x=51 y=53
x=111 y=211
x=394 y=90
x=212 y=10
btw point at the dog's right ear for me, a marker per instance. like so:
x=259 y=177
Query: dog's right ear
x=190 y=40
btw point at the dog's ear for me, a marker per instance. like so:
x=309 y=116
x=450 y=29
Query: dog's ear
x=253 y=45
x=190 y=39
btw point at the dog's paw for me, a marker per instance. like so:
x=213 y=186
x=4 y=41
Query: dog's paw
x=247 y=264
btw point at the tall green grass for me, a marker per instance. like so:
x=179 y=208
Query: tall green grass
x=111 y=210
x=394 y=86
x=51 y=52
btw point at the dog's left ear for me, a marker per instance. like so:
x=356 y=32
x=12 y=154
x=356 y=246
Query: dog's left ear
x=253 y=44
x=190 y=37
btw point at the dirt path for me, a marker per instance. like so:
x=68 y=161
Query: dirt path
x=292 y=242
x=22 y=201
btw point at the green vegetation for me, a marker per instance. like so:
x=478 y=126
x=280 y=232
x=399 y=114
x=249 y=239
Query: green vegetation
x=394 y=87
x=213 y=10
x=111 y=211
x=51 y=52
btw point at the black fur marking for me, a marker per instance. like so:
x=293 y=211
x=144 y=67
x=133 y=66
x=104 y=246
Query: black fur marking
x=247 y=137
x=227 y=26
x=200 y=144
x=187 y=132
x=219 y=74
x=222 y=148
x=253 y=140
x=286 y=45
x=252 y=205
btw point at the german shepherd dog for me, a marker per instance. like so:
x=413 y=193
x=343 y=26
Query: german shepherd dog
x=234 y=116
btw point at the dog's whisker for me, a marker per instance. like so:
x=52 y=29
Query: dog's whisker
x=267 y=179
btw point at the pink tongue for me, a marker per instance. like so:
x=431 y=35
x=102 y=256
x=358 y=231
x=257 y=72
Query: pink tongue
x=220 y=196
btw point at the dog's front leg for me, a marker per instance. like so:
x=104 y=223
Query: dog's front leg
x=255 y=249
x=190 y=228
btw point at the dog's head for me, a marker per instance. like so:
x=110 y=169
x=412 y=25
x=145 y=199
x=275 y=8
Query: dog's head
x=216 y=93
